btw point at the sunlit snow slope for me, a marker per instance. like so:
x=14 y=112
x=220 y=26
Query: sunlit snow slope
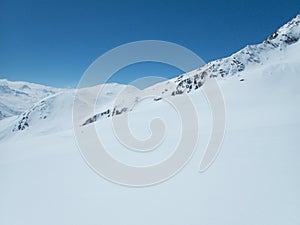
x=16 y=97
x=254 y=180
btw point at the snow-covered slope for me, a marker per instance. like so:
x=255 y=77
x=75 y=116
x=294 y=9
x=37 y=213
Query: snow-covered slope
x=54 y=112
x=247 y=58
x=255 y=179
x=16 y=97
x=252 y=56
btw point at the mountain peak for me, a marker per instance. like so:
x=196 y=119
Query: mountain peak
x=288 y=34
x=240 y=61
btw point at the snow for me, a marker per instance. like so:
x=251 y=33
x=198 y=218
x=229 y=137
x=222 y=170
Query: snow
x=254 y=180
x=16 y=97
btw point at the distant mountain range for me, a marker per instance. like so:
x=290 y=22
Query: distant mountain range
x=17 y=97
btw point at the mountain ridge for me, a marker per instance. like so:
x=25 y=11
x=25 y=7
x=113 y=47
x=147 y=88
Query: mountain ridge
x=17 y=96
x=249 y=57
x=235 y=64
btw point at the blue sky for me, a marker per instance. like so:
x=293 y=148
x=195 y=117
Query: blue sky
x=53 y=42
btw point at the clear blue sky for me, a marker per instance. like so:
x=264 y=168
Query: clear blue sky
x=53 y=42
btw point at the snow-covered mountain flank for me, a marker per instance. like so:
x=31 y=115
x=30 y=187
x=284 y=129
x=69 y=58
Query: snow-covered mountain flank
x=270 y=51
x=16 y=97
x=254 y=179
x=252 y=56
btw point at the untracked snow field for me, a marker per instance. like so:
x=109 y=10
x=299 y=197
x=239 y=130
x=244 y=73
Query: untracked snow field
x=254 y=179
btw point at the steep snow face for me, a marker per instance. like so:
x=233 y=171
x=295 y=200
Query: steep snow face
x=16 y=97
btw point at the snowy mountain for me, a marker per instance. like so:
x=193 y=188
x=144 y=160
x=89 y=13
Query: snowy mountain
x=54 y=112
x=254 y=180
x=251 y=56
x=16 y=97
